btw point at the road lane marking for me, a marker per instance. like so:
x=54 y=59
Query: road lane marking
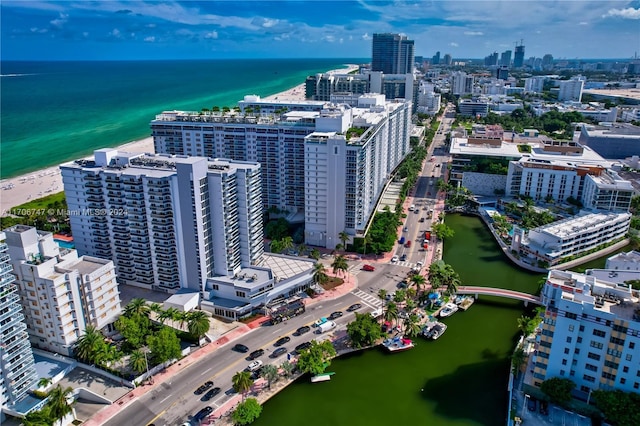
x=206 y=371
x=165 y=398
x=307 y=316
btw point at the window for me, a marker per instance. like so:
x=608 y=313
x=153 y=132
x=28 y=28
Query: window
x=591 y=355
x=623 y=381
x=562 y=372
x=599 y=333
x=582 y=328
x=625 y=369
x=579 y=340
x=611 y=364
x=572 y=373
x=566 y=350
x=569 y=339
x=595 y=344
x=564 y=362
x=589 y=378
x=591 y=367
x=616 y=341
x=632 y=345
x=636 y=385
x=571 y=315
x=608 y=376
x=571 y=328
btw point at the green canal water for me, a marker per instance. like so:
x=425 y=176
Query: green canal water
x=460 y=379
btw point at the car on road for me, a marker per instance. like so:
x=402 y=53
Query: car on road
x=210 y=394
x=369 y=268
x=278 y=352
x=203 y=387
x=202 y=414
x=255 y=354
x=405 y=229
x=281 y=341
x=254 y=365
x=302 y=346
x=240 y=348
x=354 y=307
x=335 y=315
x=302 y=330
x=401 y=240
x=394 y=259
x=422 y=219
x=403 y=258
x=408 y=244
x=532 y=404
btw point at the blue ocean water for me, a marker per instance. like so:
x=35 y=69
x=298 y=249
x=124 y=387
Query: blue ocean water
x=53 y=112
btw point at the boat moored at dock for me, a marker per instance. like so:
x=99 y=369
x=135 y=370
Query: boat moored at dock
x=397 y=344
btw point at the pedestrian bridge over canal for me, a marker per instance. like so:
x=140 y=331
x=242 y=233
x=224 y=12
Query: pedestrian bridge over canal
x=500 y=292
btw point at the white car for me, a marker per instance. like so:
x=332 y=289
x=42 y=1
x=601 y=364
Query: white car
x=394 y=259
x=254 y=365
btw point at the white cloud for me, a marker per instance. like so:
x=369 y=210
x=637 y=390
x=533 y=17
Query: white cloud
x=268 y=23
x=453 y=44
x=211 y=35
x=85 y=34
x=115 y=33
x=365 y=36
x=150 y=39
x=628 y=13
x=583 y=23
x=329 y=38
x=473 y=33
x=38 y=30
x=60 y=21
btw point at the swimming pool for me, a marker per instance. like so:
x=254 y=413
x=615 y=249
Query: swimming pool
x=65 y=244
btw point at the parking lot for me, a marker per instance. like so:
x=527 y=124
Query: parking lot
x=556 y=416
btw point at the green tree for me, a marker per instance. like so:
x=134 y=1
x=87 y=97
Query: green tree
x=412 y=325
x=518 y=359
x=88 y=345
x=107 y=354
x=165 y=315
x=418 y=280
x=315 y=254
x=247 y=412
x=320 y=273
x=340 y=264
x=364 y=330
x=270 y=373
x=276 y=229
x=137 y=361
x=317 y=357
x=558 y=390
x=620 y=408
x=287 y=368
x=40 y=417
x=164 y=345
x=442 y=231
x=137 y=306
x=58 y=403
x=391 y=313
x=44 y=382
x=242 y=382
x=344 y=237
x=134 y=329
x=198 y=323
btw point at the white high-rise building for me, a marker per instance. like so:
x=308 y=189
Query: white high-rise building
x=571 y=90
x=61 y=293
x=461 y=83
x=276 y=139
x=167 y=222
x=534 y=84
x=590 y=333
x=17 y=370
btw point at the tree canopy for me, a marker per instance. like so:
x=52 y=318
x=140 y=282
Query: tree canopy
x=558 y=390
x=364 y=330
x=164 y=345
x=620 y=408
x=247 y=412
x=317 y=357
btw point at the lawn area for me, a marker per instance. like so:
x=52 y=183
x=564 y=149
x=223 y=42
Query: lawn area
x=43 y=203
x=332 y=283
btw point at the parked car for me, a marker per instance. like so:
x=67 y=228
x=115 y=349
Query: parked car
x=210 y=394
x=302 y=330
x=255 y=354
x=354 y=307
x=278 y=352
x=394 y=259
x=240 y=348
x=336 y=314
x=544 y=408
x=254 y=365
x=369 y=268
x=405 y=229
x=202 y=414
x=281 y=341
x=203 y=387
x=532 y=404
x=302 y=346
x=403 y=258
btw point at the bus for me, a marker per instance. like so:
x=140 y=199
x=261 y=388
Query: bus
x=287 y=311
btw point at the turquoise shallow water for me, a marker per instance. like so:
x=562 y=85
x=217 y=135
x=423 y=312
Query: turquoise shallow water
x=53 y=112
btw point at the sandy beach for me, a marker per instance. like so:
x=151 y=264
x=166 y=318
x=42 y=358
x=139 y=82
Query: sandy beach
x=18 y=190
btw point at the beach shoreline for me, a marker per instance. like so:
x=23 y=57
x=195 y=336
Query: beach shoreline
x=18 y=190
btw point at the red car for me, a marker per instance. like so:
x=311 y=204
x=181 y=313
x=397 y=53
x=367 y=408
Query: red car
x=368 y=268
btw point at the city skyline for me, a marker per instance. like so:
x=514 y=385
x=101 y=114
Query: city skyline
x=125 y=30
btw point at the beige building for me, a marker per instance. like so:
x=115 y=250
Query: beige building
x=61 y=293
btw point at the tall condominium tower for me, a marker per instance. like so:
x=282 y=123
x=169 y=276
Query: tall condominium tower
x=571 y=90
x=392 y=54
x=436 y=59
x=167 y=222
x=505 y=58
x=17 y=370
x=275 y=138
x=461 y=83
x=61 y=293
x=590 y=333
x=518 y=58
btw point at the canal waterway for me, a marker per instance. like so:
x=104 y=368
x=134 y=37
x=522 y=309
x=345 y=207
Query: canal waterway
x=459 y=379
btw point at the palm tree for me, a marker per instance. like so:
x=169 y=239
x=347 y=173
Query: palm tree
x=340 y=264
x=137 y=361
x=106 y=353
x=287 y=368
x=286 y=243
x=412 y=325
x=40 y=417
x=165 y=315
x=57 y=401
x=366 y=240
x=44 y=382
x=315 y=254
x=320 y=273
x=88 y=344
x=242 y=382
x=411 y=293
x=410 y=305
x=418 y=280
x=156 y=307
x=269 y=372
x=181 y=317
x=172 y=314
x=301 y=249
x=399 y=296
x=137 y=306
x=344 y=237
x=391 y=314
x=198 y=323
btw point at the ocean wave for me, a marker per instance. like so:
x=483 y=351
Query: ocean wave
x=16 y=75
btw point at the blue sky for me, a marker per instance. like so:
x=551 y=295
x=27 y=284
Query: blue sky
x=80 y=29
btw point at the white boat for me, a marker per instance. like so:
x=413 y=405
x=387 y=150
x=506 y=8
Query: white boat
x=397 y=344
x=324 y=377
x=448 y=310
x=434 y=330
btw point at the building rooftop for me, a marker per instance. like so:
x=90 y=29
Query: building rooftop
x=615 y=130
x=248 y=278
x=85 y=265
x=580 y=223
x=285 y=267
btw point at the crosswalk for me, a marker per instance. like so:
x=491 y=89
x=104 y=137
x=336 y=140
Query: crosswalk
x=355 y=269
x=369 y=299
x=405 y=263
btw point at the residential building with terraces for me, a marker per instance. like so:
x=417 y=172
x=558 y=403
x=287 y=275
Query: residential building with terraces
x=590 y=334
x=61 y=293
x=369 y=138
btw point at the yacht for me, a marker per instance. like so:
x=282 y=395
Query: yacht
x=397 y=344
x=448 y=310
